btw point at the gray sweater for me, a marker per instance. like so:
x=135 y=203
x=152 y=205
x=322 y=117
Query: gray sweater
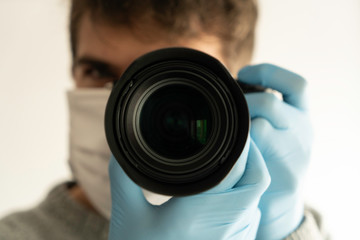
x=61 y=217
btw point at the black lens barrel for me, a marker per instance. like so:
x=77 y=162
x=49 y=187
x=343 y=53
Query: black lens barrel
x=176 y=121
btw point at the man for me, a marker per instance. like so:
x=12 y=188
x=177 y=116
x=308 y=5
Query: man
x=265 y=198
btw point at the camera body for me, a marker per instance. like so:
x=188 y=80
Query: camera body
x=176 y=121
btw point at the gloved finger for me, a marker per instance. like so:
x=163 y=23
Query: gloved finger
x=256 y=173
x=125 y=194
x=277 y=143
x=260 y=129
x=254 y=227
x=292 y=86
x=251 y=229
x=227 y=206
x=244 y=228
x=235 y=173
x=281 y=156
x=268 y=106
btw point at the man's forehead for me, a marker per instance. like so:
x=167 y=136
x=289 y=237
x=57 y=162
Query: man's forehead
x=117 y=45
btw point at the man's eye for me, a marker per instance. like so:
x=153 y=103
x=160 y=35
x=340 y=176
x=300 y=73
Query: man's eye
x=93 y=75
x=96 y=74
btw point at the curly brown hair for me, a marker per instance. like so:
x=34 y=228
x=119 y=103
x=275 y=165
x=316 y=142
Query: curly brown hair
x=232 y=21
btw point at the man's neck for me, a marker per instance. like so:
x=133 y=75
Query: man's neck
x=79 y=195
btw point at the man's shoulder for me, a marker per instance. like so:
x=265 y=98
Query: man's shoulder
x=57 y=217
x=21 y=225
x=37 y=223
x=312 y=227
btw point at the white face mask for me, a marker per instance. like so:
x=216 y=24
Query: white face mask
x=89 y=152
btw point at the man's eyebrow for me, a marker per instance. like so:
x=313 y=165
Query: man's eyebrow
x=98 y=64
x=92 y=61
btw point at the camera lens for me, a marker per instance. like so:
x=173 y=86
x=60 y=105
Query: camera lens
x=176 y=121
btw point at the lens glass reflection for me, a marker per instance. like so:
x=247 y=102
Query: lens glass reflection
x=176 y=121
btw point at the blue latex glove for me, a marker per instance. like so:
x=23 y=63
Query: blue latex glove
x=282 y=131
x=221 y=213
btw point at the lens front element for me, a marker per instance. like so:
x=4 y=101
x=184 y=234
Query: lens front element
x=175 y=121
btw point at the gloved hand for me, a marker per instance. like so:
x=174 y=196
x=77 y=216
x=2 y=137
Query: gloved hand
x=282 y=131
x=221 y=213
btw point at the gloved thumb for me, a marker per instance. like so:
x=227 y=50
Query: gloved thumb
x=126 y=196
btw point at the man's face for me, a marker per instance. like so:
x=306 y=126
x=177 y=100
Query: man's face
x=104 y=52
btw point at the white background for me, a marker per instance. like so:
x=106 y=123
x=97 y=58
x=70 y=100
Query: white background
x=319 y=39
